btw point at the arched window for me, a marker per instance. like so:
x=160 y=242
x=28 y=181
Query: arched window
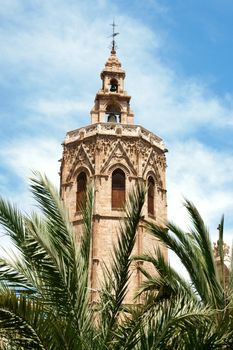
x=81 y=189
x=113 y=85
x=151 y=196
x=118 y=189
x=113 y=112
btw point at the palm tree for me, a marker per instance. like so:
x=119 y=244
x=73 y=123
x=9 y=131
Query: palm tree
x=44 y=294
x=50 y=269
x=207 y=283
x=44 y=299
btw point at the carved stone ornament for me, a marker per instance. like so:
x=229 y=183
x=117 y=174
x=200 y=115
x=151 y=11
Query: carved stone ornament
x=152 y=165
x=118 y=155
x=80 y=159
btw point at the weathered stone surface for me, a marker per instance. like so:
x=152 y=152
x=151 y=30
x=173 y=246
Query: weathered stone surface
x=100 y=148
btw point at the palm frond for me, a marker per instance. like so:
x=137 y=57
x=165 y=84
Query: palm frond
x=190 y=248
x=201 y=235
x=165 y=280
x=13 y=324
x=45 y=297
x=220 y=242
x=164 y=324
x=13 y=223
x=49 y=267
x=87 y=216
x=52 y=264
x=60 y=228
x=29 y=321
x=115 y=291
x=16 y=274
x=66 y=262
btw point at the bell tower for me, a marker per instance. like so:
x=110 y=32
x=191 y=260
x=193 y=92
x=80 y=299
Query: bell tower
x=112 y=101
x=114 y=153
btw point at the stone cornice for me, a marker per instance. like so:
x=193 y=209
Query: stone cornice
x=113 y=129
x=101 y=94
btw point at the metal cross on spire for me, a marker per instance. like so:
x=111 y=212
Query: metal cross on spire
x=113 y=37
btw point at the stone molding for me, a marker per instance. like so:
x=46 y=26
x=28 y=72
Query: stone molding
x=113 y=129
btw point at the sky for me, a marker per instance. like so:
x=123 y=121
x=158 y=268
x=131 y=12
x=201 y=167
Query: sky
x=178 y=60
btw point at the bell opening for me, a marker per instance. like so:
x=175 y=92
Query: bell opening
x=113 y=85
x=112 y=118
x=113 y=113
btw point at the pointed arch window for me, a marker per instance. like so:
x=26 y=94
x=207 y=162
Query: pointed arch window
x=118 y=189
x=81 y=190
x=151 y=196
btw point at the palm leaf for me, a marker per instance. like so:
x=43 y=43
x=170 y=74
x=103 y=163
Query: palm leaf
x=165 y=280
x=115 y=289
x=190 y=248
x=13 y=324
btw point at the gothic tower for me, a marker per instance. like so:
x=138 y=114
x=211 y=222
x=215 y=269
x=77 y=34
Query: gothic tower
x=114 y=153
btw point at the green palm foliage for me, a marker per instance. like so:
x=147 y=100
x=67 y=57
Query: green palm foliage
x=195 y=250
x=51 y=270
x=45 y=298
x=209 y=285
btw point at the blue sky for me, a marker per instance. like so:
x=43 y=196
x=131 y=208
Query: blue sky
x=178 y=60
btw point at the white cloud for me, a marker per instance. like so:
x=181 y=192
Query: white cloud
x=202 y=175
x=174 y=105
x=58 y=52
x=26 y=155
x=61 y=107
x=62 y=48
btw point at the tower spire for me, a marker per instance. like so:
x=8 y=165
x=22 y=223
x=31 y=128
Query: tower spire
x=113 y=35
x=112 y=102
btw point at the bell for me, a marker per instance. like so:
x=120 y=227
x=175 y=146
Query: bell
x=113 y=88
x=112 y=118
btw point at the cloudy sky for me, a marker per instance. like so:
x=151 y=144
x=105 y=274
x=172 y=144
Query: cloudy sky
x=178 y=59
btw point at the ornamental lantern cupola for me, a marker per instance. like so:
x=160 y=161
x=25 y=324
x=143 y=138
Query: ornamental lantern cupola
x=112 y=103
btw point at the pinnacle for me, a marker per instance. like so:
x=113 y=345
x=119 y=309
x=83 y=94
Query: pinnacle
x=113 y=61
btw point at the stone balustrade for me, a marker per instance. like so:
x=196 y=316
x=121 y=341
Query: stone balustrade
x=114 y=129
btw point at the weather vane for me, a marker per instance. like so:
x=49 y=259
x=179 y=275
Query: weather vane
x=114 y=34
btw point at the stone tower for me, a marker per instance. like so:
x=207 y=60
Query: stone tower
x=114 y=153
